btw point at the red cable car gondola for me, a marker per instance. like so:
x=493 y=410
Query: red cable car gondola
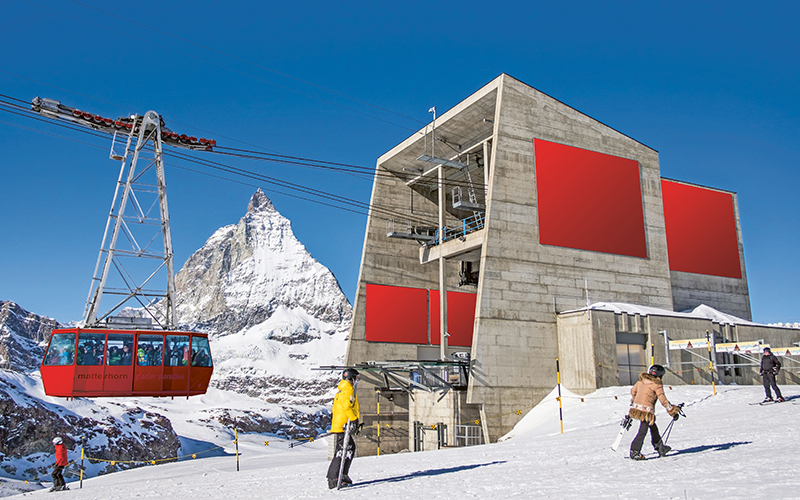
x=95 y=362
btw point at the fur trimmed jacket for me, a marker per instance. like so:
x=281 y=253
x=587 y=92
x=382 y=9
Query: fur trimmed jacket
x=643 y=399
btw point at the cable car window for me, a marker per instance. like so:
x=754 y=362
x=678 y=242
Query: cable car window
x=90 y=349
x=61 y=350
x=201 y=355
x=119 y=350
x=150 y=350
x=177 y=352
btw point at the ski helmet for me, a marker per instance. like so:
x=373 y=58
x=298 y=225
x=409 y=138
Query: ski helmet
x=350 y=374
x=57 y=440
x=657 y=371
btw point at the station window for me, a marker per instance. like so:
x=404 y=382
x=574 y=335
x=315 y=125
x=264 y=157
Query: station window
x=61 y=350
x=91 y=347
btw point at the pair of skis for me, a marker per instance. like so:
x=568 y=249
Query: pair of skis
x=345 y=443
x=626 y=423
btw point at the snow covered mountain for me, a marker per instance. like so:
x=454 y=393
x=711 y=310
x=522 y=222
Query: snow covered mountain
x=274 y=312
x=248 y=271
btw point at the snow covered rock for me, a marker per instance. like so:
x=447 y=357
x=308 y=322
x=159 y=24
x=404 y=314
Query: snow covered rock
x=23 y=337
x=112 y=431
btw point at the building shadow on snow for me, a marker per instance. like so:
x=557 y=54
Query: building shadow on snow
x=709 y=447
x=423 y=473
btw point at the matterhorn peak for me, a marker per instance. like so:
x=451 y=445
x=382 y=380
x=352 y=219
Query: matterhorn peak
x=259 y=203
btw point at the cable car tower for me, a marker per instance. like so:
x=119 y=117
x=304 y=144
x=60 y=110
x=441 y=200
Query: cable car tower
x=136 y=246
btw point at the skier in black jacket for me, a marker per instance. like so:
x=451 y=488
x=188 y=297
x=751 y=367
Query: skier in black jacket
x=770 y=366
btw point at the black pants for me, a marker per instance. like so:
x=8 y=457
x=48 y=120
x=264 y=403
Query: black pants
x=58 y=479
x=349 y=453
x=638 y=441
x=769 y=381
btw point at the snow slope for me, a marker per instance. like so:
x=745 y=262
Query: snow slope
x=725 y=448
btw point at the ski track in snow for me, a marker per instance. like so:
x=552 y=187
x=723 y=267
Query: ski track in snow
x=724 y=448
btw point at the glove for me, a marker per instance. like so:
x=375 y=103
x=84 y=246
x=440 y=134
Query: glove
x=674 y=411
x=355 y=427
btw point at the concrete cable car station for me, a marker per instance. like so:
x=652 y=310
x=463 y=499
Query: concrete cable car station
x=555 y=237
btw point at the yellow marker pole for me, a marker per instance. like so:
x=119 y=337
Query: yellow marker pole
x=378 y=395
x=710 y=363
x=560 y=412
x=236 y=440
x=652 y=354
x=83 y=440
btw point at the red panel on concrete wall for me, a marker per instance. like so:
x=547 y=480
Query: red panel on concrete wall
x=460 y=318
x=397 y=314
x=701 y=230
x=589 y=200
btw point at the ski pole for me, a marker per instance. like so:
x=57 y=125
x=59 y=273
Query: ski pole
x=669 y=427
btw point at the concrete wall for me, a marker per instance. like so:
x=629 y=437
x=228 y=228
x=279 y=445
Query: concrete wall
x=450 y=410
x=388 y=261
x=516 y=341
x=587 y=351
x=580 y=331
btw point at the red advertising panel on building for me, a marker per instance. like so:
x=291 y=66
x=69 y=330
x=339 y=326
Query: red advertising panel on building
x=701 y=230
x=589 y=200
x=460 y=318
x=397 y=314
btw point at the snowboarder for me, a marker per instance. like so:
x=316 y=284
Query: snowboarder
x=643 y=399
x=770 y=366
x=61 y=463
x=345 y=411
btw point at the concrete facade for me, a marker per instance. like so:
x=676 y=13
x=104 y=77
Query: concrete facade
x=588 y=340
x=522 y=284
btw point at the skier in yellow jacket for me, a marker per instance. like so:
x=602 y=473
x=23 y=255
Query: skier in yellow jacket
x=345 y=410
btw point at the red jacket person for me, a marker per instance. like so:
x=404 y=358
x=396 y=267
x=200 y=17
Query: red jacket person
x=61 y=463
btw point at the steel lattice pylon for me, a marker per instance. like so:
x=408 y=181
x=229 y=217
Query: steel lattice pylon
x=130 y=238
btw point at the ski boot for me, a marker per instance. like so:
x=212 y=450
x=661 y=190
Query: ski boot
x=768 y=400
x=781 y=400
x=662 y=449
x=346 y=481
x=635 y=455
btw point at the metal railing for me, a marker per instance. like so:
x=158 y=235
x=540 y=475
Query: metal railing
x=469 y=225
x=468 y=435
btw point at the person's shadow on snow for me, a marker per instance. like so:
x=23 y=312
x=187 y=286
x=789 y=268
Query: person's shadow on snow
x=423 y=473
x=708 y=447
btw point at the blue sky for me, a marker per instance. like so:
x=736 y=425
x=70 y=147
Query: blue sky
x=713 y=86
